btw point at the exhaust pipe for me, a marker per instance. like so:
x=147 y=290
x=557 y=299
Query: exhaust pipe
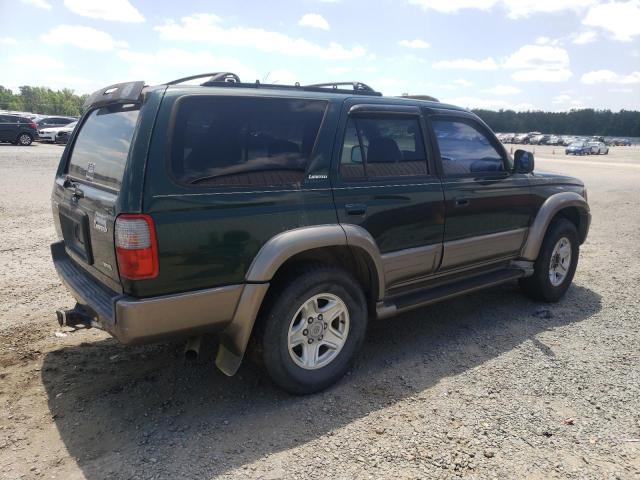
x=192 y=348
x=73 y=317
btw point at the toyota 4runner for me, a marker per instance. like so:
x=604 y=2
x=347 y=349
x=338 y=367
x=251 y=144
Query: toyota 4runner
x=285 y=217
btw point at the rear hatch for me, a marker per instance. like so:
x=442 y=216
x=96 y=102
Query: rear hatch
x=87 y=188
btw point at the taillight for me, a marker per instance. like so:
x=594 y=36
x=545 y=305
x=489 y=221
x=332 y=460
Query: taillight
x=136 y=246
x=33 y=125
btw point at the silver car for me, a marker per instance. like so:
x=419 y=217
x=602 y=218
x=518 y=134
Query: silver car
x=598 y=148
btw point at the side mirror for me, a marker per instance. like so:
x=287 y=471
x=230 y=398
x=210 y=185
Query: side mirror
x=356 y=154
x=523 y=161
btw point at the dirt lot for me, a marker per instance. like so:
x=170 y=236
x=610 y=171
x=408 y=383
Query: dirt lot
x=490 y=385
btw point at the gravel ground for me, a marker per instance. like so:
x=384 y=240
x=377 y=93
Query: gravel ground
x=490 y=385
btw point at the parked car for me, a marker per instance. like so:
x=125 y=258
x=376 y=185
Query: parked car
x=578 y=148
x=54 y=122
x=253 y=211
x=521 y=138
x=508 y=137
x=598 y=148
x=619 y=142
x=17 y=130
x=64 y=133
x=53 y=134
x=539 y=139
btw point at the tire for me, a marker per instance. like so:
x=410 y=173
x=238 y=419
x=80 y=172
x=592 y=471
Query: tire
x=284 y=314
x=539 y=286
x=24 y=140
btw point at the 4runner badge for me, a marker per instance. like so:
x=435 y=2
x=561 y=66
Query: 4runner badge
x=100 y=224
x=91 y=170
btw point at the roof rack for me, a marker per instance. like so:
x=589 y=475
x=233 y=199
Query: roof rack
x=228 y=79
x=358 y=87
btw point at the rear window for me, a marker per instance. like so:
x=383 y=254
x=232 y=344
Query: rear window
x=100 y=151
x=235 y=141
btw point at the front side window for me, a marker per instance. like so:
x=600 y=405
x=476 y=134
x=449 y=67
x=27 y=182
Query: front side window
x=464 y=149
x=244 y=141
x=382 y=147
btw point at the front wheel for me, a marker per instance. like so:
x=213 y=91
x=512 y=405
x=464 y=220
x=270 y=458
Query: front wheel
x=556 y=263
x=311 y=328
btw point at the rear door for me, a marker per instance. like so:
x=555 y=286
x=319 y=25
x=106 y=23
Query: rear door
x=384 y=181
x=87 y=190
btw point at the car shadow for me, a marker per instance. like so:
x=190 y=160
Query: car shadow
x=142 y=409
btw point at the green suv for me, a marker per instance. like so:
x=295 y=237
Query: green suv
x=283 y=218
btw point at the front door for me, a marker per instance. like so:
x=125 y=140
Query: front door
x=384 y=182
x=488 y=208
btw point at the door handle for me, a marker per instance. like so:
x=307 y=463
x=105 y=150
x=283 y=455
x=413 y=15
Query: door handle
x=462 y=202
x=355 y=208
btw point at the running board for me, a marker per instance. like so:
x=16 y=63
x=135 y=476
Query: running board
x=421 y=298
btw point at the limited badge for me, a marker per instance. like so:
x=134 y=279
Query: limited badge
x=100 y=223
x=91 y=170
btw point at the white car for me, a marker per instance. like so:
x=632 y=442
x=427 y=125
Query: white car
x=51 y=134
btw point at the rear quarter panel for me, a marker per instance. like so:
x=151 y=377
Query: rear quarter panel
x=208 y=236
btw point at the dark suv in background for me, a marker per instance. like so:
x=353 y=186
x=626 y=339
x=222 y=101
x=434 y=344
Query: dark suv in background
x=17 y=129
x=285 y=217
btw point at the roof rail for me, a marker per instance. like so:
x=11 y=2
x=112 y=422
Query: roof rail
x=228 y=79
x=358 y=87
x=214 y=77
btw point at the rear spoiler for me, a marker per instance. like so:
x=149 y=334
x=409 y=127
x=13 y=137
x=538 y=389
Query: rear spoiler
x=128 y=92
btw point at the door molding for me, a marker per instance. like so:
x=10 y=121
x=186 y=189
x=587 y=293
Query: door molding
x=410 y=263
x=476 y=249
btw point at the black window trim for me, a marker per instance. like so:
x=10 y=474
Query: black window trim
x=478 y=125
x=376 y=110
x=171 y=125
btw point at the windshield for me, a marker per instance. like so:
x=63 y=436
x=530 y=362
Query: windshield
x=101 y=149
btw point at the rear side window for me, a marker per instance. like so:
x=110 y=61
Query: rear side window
x=236 y=141
x=464 y=149
x=382 y=147
x=100 y=151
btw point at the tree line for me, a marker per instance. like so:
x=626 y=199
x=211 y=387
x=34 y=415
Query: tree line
x=42 y=100
x=625 y=123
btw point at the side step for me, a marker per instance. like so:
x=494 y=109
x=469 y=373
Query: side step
x=421 y=298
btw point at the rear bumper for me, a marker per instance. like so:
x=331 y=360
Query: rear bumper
x=142 y=320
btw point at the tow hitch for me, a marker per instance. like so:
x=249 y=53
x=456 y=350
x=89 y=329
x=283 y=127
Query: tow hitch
x=74 y=317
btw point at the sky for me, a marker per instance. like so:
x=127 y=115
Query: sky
x=520 y=54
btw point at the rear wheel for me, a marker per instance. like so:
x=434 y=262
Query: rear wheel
x=24 y=139
x=311 y=328
x=556 y=263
